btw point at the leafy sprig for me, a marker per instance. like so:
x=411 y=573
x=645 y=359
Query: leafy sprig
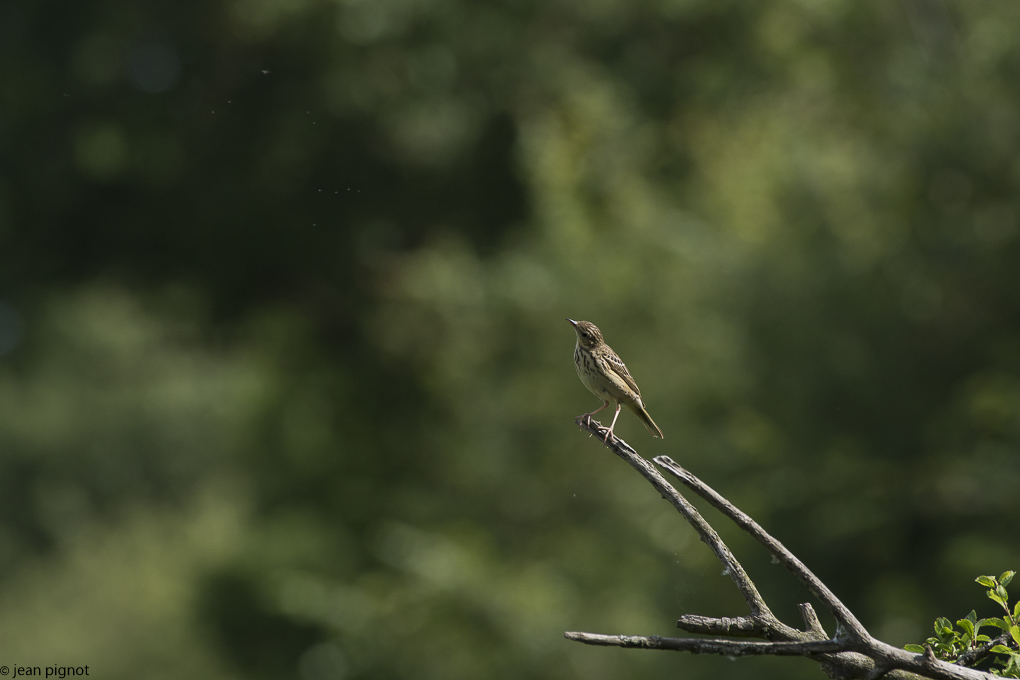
x=967 y=645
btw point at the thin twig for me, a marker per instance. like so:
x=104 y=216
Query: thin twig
x=811 y=623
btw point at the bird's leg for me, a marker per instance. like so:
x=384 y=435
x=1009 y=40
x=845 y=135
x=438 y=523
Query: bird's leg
x=605 y=403
x=612 y=425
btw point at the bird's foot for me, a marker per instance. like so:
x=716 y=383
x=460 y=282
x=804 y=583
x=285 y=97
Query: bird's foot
x=586 y=419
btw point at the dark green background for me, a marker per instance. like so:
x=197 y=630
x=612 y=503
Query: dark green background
x=285 y=386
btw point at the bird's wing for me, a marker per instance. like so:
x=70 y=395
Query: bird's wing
x=616 y=363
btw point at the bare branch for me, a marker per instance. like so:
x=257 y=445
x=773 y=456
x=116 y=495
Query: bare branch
x=710 y=646
x=744 y=626
x=852 y=654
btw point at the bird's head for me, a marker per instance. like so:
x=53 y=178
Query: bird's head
x=588 y=334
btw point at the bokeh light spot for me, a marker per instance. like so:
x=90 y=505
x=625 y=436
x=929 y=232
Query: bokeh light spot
x=100 y=151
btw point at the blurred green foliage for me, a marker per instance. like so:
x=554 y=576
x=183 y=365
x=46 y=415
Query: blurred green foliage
x=286 y=387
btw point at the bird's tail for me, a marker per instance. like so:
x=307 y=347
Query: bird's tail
x=641 y=413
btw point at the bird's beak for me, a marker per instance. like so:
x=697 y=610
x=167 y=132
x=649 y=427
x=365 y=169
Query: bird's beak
x=572 y=323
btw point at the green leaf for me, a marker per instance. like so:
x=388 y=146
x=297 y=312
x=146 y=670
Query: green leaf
x=986 y=581
x=917 y=649
x=967 y=626
x=1011 y=669
x=998 y=623
x=982 y=638
x=999 y=649
x=1014 y=632
x=994 y=595
x=1016 y=610
x=1006 y=577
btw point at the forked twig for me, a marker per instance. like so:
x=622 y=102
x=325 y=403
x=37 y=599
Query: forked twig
x=851 y=653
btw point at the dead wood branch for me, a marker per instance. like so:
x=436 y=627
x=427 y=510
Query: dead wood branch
x=851 y=653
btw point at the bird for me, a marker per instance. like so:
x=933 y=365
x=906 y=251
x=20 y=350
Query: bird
x=606 y=376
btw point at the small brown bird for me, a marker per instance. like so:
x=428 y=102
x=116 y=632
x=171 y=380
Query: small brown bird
x=606 y=376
